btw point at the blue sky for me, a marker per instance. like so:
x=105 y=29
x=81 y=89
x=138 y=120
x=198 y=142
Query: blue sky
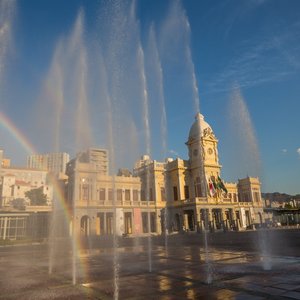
x=244 y=55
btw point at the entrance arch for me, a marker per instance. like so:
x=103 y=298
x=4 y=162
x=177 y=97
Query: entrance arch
x=260 y=218
x=85 y=226
x=177 y=222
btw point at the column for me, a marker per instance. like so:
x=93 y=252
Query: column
x=158 y=221
x=198 y=220
x=211 y=220
x=5 y=227
x=104 y=225
x=236 y=221
x=186 y=221
x=98 y=221
x=224 y=220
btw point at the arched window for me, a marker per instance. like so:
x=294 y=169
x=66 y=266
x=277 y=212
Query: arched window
x=85 y=226
x=198 y=191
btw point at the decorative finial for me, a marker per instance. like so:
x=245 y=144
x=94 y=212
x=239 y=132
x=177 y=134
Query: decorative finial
x=198 y=116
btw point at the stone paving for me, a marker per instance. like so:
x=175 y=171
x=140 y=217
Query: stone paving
x=181 y=272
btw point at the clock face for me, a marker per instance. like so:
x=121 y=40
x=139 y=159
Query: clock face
x=210 y=151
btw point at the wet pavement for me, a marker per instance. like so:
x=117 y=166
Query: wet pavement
x=183 y=270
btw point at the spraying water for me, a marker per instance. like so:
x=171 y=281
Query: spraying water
x=119 y=40
x=121 y=98
x=196 y=102
x=54 y=93
x=78 y=72
x=111 y=143
x=140 y=56
x=65 y=85
x=158 y=73
x=109 y=104
x=191 y=68
x=248 y=157
x=7 y=9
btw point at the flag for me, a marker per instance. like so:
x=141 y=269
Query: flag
x=214 y=182
x=211 y=187
x=222 y=185
x=208 y=187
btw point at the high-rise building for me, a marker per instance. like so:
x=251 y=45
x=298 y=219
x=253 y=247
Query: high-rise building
x=51 y=162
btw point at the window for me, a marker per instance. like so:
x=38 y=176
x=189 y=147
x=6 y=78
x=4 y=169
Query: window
x=145 y=222
x=234 y=197
x=246 y=197
x=119 y=195
x=143 y=195
x=153 y=222
x=85 y=192
x=198 y=190
x=186 y=192
x=175 y=193
x=127 y=195
x=151 y=195
x=110 y=194
x=135 y=195
x=12 y=227
x=102 y=194
x=163 y=194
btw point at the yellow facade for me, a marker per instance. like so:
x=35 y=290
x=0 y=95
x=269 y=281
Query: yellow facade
x=175 y=195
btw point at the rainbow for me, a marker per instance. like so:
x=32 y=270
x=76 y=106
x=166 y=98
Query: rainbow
x=68 y=217
x=10 y=127
x=21 y=139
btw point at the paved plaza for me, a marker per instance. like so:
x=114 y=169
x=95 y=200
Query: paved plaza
x=232 y=267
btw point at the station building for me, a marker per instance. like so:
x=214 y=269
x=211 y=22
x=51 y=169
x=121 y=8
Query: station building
x=175 y=195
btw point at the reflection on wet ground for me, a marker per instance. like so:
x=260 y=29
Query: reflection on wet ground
x=182 y=274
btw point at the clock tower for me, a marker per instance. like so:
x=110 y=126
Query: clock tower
x=203 y=154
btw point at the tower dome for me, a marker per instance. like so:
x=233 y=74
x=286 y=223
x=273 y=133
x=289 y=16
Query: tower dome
x=199 y=124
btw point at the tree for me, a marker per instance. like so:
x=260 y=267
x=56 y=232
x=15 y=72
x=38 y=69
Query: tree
x=36 y=196
x=288 y=206
x=19 y=203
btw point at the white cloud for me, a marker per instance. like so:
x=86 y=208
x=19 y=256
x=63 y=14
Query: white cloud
x=298 y=151
x=173 y=152
x=284 y=151
x=255 y=65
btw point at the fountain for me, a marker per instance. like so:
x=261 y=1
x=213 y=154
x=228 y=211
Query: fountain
x=67 y=92
x=241 y=126
x=158 y=97
x=248 y=157
x=110 y=92
x=7 y=9
x=184 y=24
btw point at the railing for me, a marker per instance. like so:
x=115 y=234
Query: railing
x=227 y=200
x=147 y=203
x=197 y=200
x=191 y=201
x=109 y=203
x=244 y=203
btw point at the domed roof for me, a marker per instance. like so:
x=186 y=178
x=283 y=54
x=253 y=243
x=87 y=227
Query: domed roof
x=199 y=124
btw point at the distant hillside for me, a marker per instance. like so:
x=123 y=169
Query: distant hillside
x=278 y=197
